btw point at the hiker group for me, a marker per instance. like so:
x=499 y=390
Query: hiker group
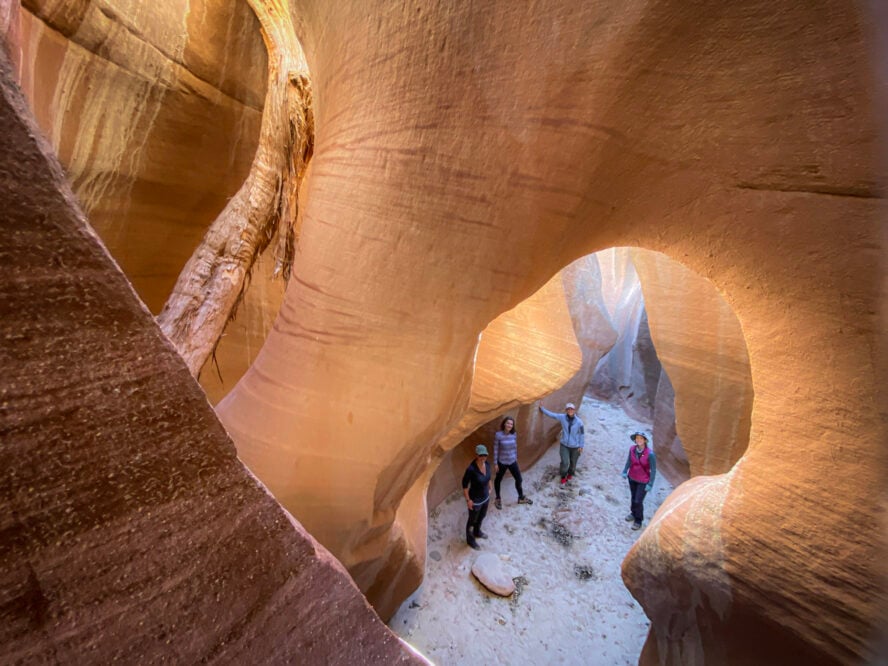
x=640 y=469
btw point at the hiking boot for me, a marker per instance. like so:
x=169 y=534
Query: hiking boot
x=636 y=526
x=525 y=500
x=570 y=477
x=473 y=545
x=563 y=480
x=498 y=503
x=480 y=535
x=629 y=517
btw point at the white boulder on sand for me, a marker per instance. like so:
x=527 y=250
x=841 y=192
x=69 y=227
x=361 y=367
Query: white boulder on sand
x=490 y=572
x=563 y=554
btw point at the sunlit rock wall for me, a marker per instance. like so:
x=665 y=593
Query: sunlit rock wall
x=672 y=460
x=535 y=359
x=154 y=110
x=131 y=531
x=525 y=353
x=700 y=345
x=458 y=167
x=629 y=373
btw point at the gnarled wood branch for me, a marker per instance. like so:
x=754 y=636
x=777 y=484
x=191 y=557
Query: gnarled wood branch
x=210 y=287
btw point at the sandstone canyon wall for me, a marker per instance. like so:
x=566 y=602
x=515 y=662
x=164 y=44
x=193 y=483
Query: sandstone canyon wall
x=130 y=530
x=154 y=110
x=464 y=155
x=700 y=345
x=535 y=352
x=720 y=135
x=630 y=373
x=671 y=457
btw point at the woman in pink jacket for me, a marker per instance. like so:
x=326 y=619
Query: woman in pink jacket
x=640 y=469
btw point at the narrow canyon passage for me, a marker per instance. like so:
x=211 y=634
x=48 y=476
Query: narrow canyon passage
x=465 y=157
x=564 y=551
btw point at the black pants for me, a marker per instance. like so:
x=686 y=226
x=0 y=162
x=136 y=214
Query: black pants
x=473 y=524
x=637 y=493
x=516 y=474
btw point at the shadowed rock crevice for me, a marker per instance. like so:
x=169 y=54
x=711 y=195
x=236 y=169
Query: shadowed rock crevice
x=836 y=191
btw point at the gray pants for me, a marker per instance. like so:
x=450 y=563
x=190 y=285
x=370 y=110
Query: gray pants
x=569 y=460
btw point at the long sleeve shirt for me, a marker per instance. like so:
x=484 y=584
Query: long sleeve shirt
x=478 y=482
x=572 y=430
x=505 y=448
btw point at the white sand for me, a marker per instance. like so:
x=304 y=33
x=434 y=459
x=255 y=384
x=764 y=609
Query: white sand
x=572 y=607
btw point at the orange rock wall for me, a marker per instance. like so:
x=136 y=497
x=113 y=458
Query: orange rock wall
x=131 y=531
x=154 y=110
x=701 y=346
x=588 y=327
x=465 y=153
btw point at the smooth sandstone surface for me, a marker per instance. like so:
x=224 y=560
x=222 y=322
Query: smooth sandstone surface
x=701 y=346
x=556 y=336
x=153 y=109
x=131 y=531
x=671 y=457
x=465 y=154
x=630 y=372
x=722 y=136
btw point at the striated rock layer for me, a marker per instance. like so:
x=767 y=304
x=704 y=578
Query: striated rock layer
x=700 y=345
x=153 y=109
x=458 y=166
x=629 y=373
x=594 y=334
x=131 y=532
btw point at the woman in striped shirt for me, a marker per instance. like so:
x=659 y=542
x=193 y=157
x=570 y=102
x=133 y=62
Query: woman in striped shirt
x=505 y=457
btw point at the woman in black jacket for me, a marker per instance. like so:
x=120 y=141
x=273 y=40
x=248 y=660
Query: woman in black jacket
x=476 y=490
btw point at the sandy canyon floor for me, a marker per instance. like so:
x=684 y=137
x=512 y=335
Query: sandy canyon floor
x=564 y=552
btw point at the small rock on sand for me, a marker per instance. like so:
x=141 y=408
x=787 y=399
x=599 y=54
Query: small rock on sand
x=490 y=572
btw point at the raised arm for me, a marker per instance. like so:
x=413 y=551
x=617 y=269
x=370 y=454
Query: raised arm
x=548 y=413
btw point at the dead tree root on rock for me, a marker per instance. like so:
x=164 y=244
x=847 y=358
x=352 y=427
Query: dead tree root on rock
x=210 y=287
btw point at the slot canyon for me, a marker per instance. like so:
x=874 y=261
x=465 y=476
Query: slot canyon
x=225 y=448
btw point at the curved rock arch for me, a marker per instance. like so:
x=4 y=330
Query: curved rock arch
x=724 y=137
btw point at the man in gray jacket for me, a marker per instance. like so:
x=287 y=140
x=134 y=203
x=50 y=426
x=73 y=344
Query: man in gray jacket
x=572 y=439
